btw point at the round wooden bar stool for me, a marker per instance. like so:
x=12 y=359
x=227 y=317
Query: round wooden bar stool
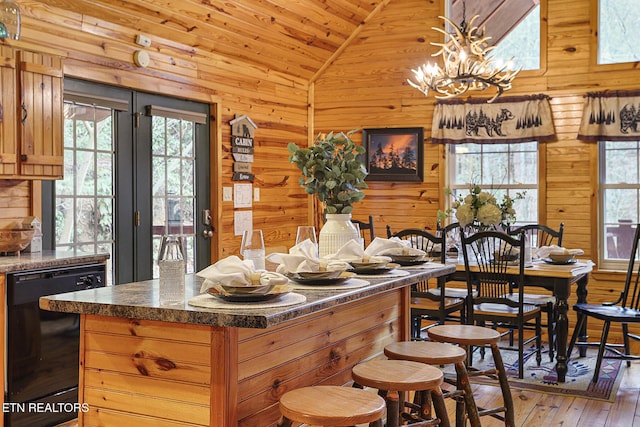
x=438 y=354
x=469 y=336
x=331 y=406
x=394 y=378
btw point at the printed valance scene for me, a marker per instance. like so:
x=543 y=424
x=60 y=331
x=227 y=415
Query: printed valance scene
x=611 y=116
x=505 y=120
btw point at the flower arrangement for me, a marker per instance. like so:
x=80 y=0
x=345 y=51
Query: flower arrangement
x=482 y=208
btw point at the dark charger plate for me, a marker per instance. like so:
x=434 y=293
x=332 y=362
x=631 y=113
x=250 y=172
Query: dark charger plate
x=550 y=261
x=374 y=270
x=276 y=292
x=310 y=280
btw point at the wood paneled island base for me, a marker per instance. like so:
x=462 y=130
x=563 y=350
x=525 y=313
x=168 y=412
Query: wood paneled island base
x=193 y=369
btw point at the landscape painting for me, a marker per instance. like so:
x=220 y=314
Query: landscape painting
x=394 y=154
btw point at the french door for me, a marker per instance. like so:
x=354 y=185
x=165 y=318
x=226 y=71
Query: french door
x=136 y=168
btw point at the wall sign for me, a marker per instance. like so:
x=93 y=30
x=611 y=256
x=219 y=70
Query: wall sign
x=242 y=147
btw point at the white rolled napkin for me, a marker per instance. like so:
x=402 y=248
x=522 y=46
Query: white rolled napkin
x=392 y=246
x=545 y=251
x=352 y=251
x=303 y=258
x=232 y=271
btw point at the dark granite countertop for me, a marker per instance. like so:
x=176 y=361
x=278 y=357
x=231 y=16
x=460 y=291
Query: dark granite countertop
x=46 y=259
x=140 y=300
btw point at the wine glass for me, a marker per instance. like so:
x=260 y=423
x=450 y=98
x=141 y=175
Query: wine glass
x=252 y=247
x=359 y=237
x=307 y=232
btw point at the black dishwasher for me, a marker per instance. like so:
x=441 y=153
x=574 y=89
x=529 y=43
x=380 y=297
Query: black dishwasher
x=42 y=347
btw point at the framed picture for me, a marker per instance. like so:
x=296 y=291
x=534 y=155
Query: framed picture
x=394 y=154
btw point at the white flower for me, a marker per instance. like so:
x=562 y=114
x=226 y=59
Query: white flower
x=465 y=214
x=489 y=214
x=483 y=197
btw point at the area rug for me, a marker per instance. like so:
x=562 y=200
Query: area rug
x=544 y=378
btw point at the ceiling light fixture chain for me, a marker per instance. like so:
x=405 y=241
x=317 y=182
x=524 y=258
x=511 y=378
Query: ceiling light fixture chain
x=467 y=63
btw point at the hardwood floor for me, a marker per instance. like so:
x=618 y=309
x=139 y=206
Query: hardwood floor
x=547 y=410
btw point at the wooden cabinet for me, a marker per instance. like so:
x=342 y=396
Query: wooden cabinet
x=31 y=115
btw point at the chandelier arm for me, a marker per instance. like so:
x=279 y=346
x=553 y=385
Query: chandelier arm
x=466 y=65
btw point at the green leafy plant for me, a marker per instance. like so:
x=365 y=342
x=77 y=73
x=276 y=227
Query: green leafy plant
x=332 y=169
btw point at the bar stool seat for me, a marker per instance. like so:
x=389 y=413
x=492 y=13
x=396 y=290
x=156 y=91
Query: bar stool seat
x=468 y=336
x=331 y=406
x=395 y=377
x=437 y=353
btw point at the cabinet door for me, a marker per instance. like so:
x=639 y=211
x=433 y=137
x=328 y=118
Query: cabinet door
x=41 y=110
x=8 y=122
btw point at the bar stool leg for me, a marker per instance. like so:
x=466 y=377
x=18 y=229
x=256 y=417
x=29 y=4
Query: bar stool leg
x=393 y=408
x=509 y=416
x=467 y=407
x=439 y=407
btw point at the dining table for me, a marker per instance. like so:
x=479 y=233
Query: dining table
x=561 y=280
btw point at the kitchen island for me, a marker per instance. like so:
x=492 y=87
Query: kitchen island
x=146 y=365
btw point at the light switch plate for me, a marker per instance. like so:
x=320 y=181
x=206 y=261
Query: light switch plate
x=227 y=194
x=256 y=194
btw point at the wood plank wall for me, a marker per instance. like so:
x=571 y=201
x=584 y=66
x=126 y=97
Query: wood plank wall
x=366 y=87
x=98 y=43
x=363 y=86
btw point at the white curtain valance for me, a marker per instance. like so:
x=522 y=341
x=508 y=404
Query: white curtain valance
x=611 y=116
x=505 y=120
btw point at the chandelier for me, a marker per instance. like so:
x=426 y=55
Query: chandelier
x=467 y=64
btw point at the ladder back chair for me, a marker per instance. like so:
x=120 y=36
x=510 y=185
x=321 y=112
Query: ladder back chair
x=429 y=303
x=624 y=311
x=489 y=258
x=541 y=235
x=366 y=226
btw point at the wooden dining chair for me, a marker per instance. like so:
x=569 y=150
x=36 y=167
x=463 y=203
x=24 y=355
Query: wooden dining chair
x=624 y=311
x=428 y=303
x=366 y=226
x=488 y=255
x=541 y=235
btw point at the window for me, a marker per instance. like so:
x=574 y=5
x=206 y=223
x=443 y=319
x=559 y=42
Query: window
x=514 y=28
x=617 y=27
x=85 y=197
x=620 y=201
x=499 y=168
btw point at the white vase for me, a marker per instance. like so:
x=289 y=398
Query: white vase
x=337 y=231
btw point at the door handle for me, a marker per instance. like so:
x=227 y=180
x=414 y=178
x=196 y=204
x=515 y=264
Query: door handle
x=206 y=220
x=206 y=217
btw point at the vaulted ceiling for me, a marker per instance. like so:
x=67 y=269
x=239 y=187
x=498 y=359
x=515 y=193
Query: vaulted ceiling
x=297 y=37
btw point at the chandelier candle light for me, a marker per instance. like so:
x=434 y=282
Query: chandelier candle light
x=467 y=64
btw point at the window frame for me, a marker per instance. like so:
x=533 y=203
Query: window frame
x=594 y=45
x=450 y=159
x=543 y=37
x=612 y=264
